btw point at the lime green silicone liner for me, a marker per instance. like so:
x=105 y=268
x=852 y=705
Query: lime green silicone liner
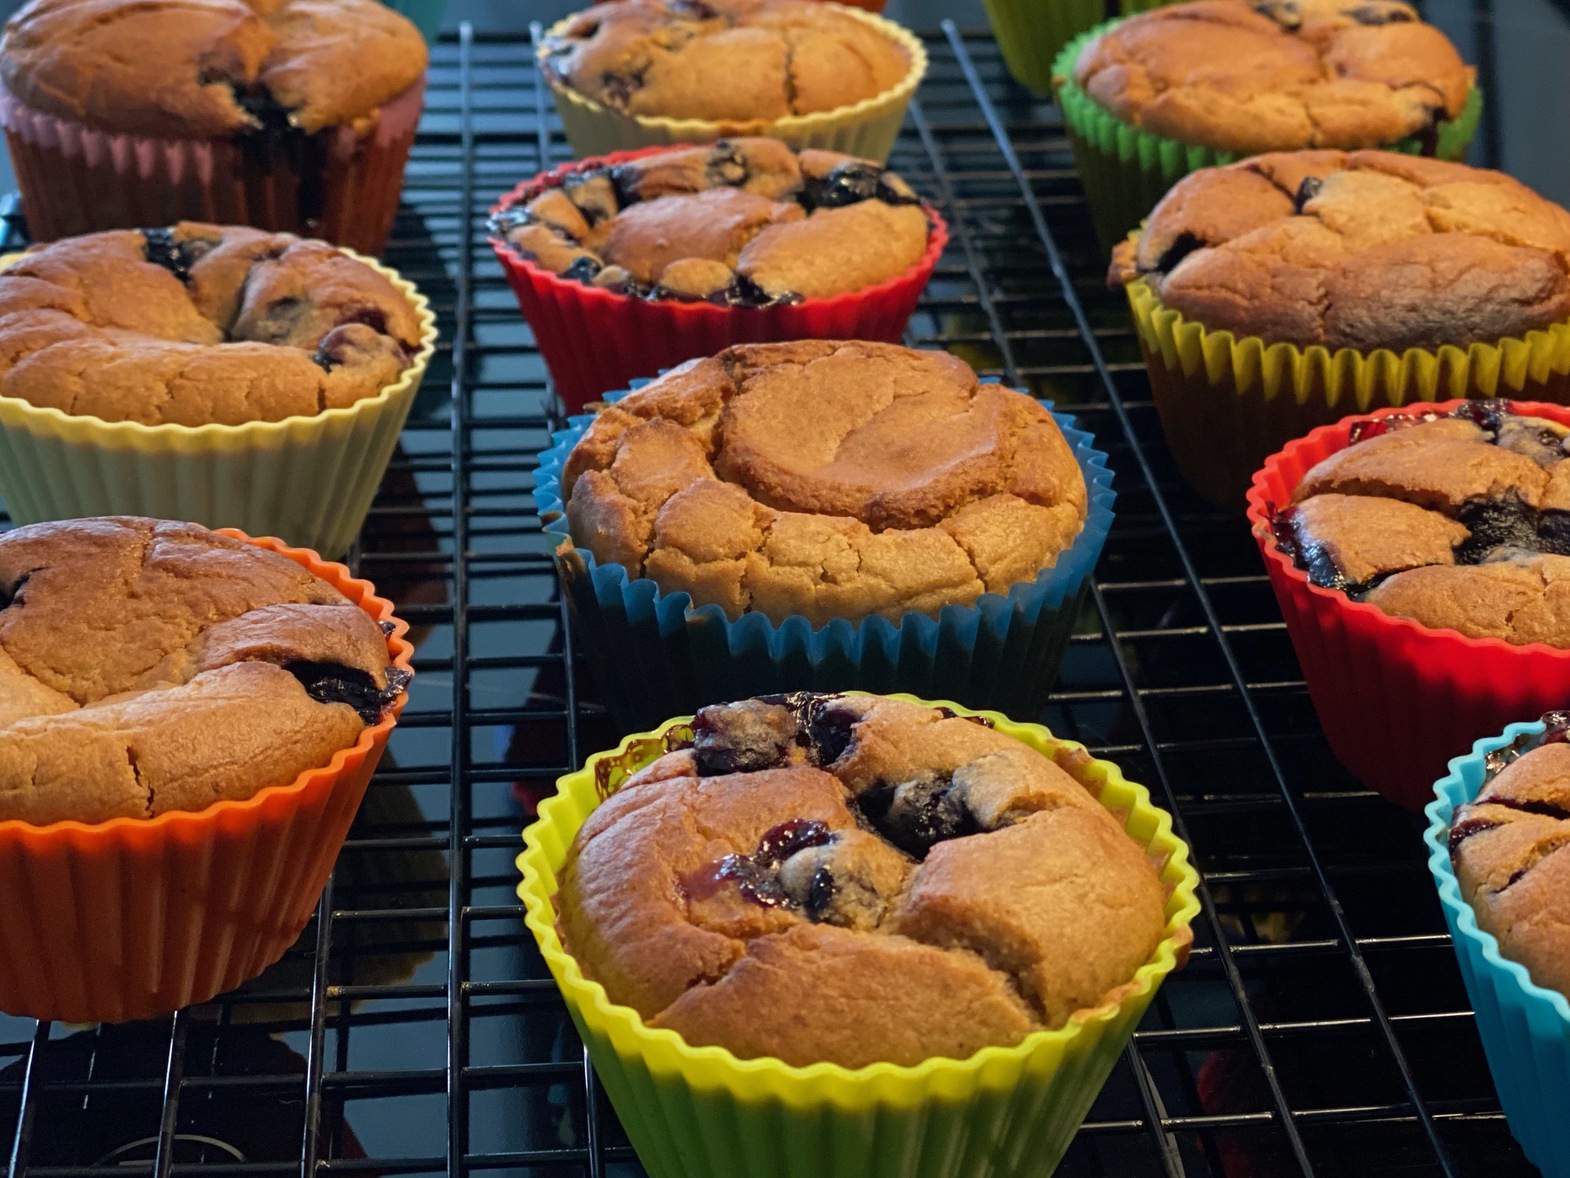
x=1031 y=33
x=1126 y=170
x=699 y=1112
x=307 y=480
x=865 y=129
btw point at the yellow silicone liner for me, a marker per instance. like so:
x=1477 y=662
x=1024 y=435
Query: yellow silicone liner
x=308 y=480
x=699 y=1112
x=1227 y=402
x=866 y=129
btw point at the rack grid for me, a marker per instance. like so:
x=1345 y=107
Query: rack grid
x=1320 y=1027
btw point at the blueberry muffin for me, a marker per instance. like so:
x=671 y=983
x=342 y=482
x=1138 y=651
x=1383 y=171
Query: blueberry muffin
x=826 y=479
x=1458 y=521
x=730 y=61
x=1365 y=250
x=291 y=115
x=745 y=222
x=1508 y=849
x=825 y=878
x=149 y=666
x=1277 y=75
x=199 y=324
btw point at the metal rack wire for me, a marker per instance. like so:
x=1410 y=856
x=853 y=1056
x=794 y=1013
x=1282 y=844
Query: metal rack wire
x=1320 y=1028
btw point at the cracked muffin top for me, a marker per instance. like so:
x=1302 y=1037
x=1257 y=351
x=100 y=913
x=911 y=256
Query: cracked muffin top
x=824 y=478
x=1277 y=75
x=1458 y=521
x=744 y=222
x=1365 y=250
x=199 y=324
x=149 y=666
x=1508 y=848
x=199 y=69
x=734 y=61
x=857 y=880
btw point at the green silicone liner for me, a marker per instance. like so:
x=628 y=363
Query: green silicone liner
x=1126 y=170
x=699 y=1112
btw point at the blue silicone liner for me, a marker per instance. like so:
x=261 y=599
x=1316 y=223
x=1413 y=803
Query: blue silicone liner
x=1525 y=1027
x=655 y=655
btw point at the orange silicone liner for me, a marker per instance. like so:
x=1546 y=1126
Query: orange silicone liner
x=1396 y=699
x=132 y=918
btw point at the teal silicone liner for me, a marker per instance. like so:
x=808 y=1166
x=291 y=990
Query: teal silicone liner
x=654 y=654
x=1525 y=1027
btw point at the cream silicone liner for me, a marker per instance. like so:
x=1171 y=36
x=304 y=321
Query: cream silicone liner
x=307 y=480
x=700 y=1112
x=866 y=129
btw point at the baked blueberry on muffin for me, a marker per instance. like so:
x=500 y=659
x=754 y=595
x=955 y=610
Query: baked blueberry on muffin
x=734 y=61
x=1361 y=250
x=1276 y=75
x=1458 y=521
x=198 y=324
x=855 y=880
x=149 y=666
x=827 y=479
x=745 y=222
x=1508 y=848
x=291 y=115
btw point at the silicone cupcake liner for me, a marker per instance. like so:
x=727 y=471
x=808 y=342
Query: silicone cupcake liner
x=699 y=1112
x=594 y=340
x=336 y=185
x=655 y=652
x=1031 y=33
x=1227 y=401
x=1126 y=170
x=1525 y=1027
x=1396 y=699
x=131 y=918
x=866 y=129
x=426 y=15
x=309 y=480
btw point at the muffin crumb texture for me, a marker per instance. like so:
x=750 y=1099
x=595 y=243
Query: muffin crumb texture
x=149 y=666
x=1277 y=75
x=1509 y=851
x=1458 y=521
x=730 y=61
x=199 y=324
x=199 y=69
x=744 y=223
x=827 y=479
x=857 y=880
x=1365 y=250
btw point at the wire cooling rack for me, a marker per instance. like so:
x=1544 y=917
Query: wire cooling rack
x=1320 y=1027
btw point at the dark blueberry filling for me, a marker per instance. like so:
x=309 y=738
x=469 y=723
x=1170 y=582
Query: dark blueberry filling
x=583 y=269
x=258 y=102
x=725 y=742
x=11 y=594
x=820 y=893
x=726 y=165
x=513 y=217
x=744 y=292
x=917 y=815
x=618 y=88
x=757 y=874
x=1376 y=14
x=1312 y=558
x=1306 y=191
x=1286 y=13
x=1486 y=415
x=1181 y=247
x=334 y=683
x=177 y=257
x=1466 y=828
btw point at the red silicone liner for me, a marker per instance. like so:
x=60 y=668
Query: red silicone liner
x=596 y=341
x=1396 y=699
x=131 y=918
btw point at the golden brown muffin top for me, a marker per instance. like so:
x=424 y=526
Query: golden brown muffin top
x=825 y=478
x=1277 y=75
x=735 y=61
x=1508 y=847
x=857 y=880
x=744 y=222
x=1458 y=521
x=199 y=324
x=149 y=666
x=199 y=69
x=1368 y=250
